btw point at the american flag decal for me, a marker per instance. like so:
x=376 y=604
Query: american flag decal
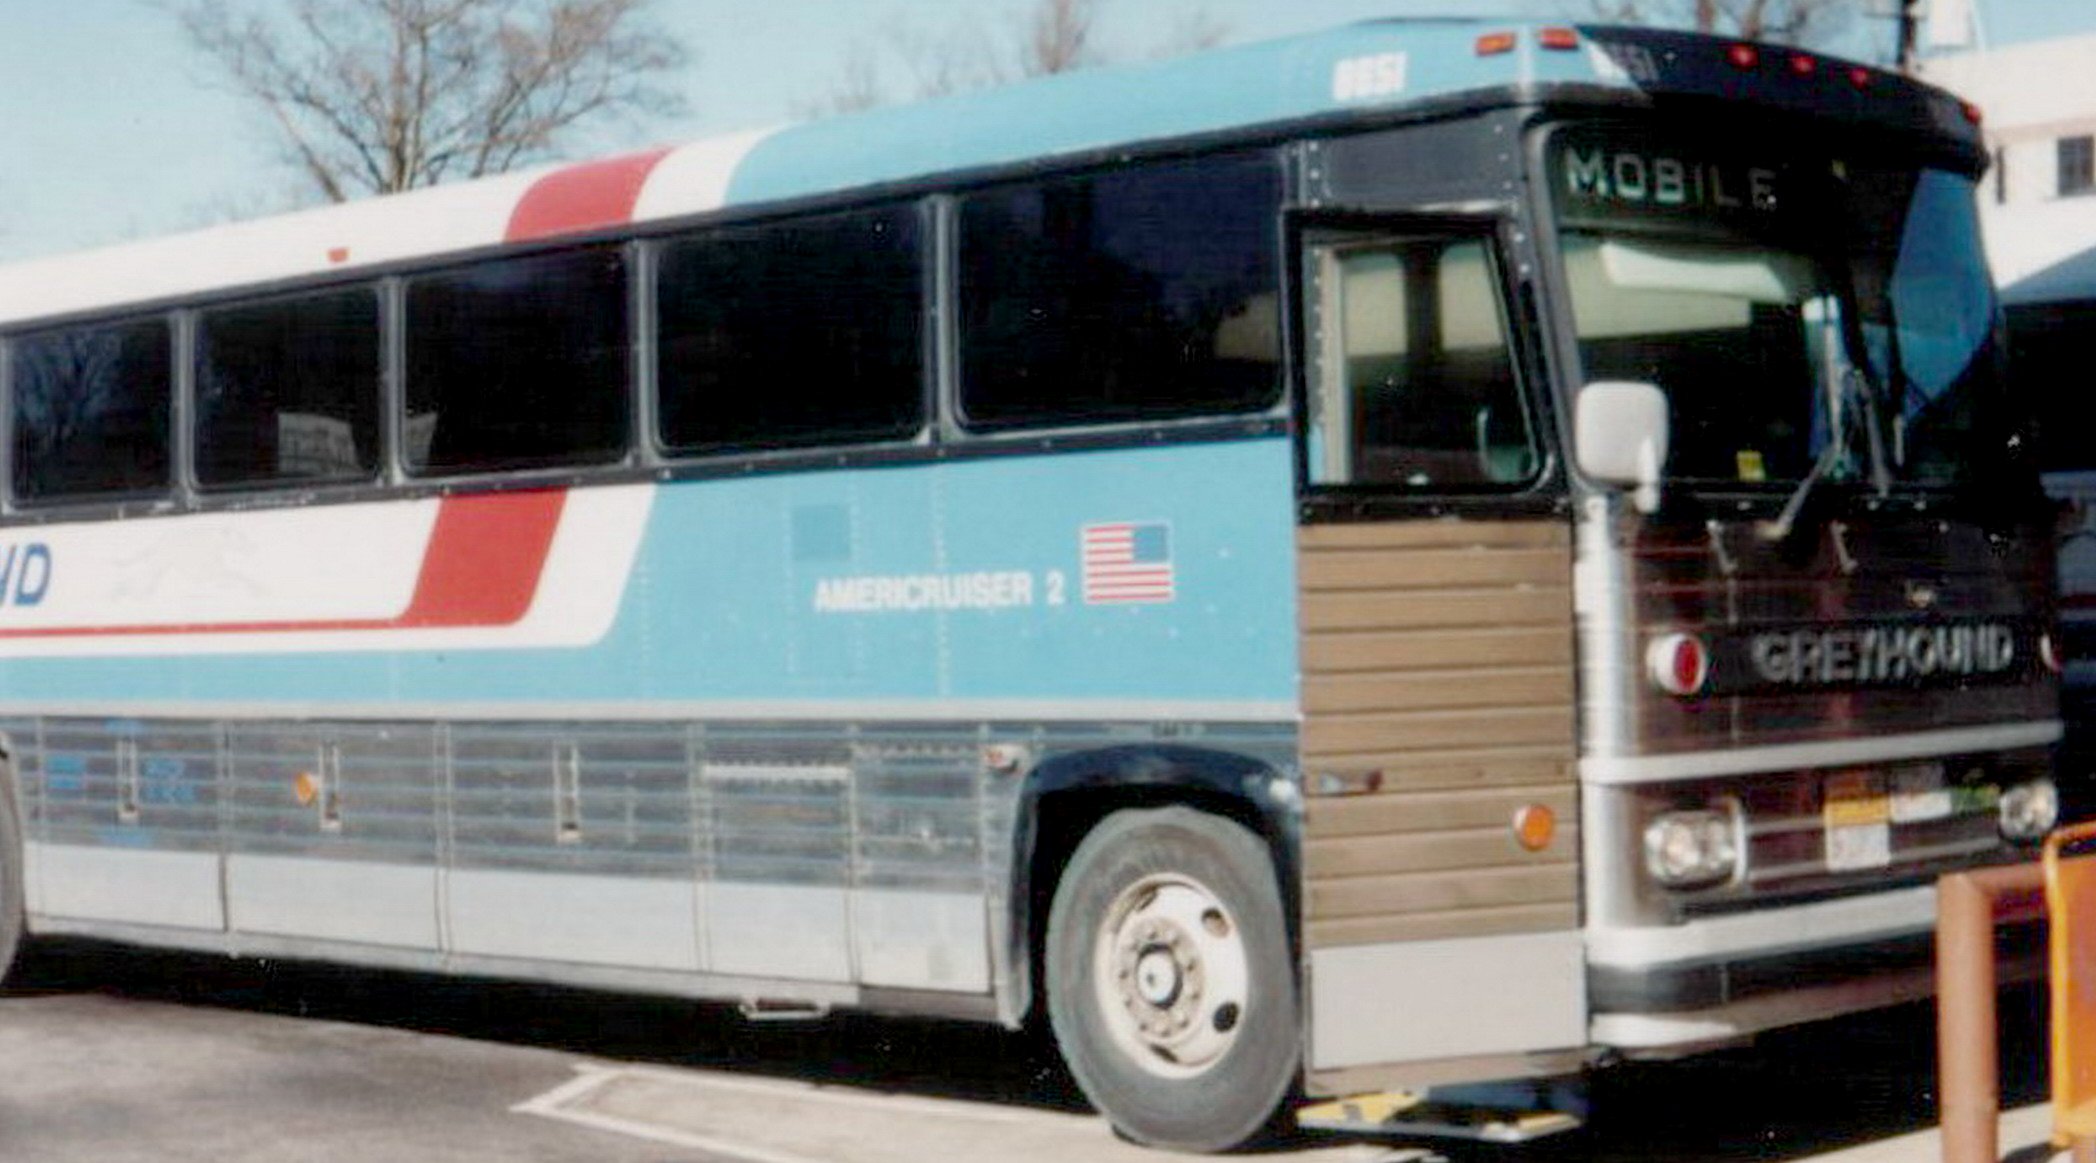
x=1127 y=562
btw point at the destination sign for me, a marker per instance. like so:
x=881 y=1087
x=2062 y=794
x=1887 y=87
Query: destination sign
x=1602 y=176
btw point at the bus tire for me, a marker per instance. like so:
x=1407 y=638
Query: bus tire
x=11 y=907
x=1169 y=984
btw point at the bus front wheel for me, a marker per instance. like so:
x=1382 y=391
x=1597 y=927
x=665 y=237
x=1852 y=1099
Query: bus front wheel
x=1168 y=978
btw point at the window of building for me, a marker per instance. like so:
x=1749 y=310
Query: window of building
x=288 y=389
x=91 y=408
x=2077 y=165
x=518 y=363
x=792 y=333
x=1140 y=293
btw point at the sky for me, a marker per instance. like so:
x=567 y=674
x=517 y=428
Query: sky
x=116 y=130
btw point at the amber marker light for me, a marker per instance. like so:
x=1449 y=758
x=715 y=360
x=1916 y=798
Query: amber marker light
x=1494 y=44
x=1558 y=39
x=306 y=787
x=1534 y=826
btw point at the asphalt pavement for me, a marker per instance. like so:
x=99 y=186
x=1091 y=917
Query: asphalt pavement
x=114 y=1055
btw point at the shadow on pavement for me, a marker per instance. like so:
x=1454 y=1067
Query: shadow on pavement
x=1791 y=1094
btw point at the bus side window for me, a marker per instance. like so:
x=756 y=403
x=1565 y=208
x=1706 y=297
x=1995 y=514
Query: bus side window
x=518 y=363
x=799 y=332
x=1414 y=385
x=91 y=410
x=288 y=389
x=1141 y=293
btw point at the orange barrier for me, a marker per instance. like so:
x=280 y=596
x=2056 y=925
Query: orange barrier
x=2070 y=898
x=1968 y=1062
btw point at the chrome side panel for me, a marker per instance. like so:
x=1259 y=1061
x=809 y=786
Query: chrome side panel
x=803 y=860
x=573 y=842
x=172 y=890
x=338 y=831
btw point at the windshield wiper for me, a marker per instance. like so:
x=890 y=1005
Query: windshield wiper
x=1844 y=386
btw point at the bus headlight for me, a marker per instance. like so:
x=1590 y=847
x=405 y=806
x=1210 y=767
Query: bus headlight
x=2029 y=810
x=1693 y=849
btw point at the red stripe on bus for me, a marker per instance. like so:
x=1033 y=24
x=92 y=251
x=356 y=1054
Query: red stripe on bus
x=482 y=568
x=584 y=197
x=485 y=557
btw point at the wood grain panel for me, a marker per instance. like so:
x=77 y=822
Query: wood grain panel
x=1384 y=569
x=1433 y=690
x=1438 y=701
x=1426 y=892
x=1421 y=851
x=1337 y=817
x=1334 y=654
x=1432 y=609
x=1473 y=922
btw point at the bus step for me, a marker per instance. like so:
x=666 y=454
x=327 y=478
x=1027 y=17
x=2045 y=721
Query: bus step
x=767 y=1009
x=1400 y=1113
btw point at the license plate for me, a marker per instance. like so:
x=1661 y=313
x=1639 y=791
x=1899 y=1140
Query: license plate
x=1857 y=815
x=1918 y=794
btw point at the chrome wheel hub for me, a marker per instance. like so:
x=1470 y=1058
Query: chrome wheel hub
x=1172 y=975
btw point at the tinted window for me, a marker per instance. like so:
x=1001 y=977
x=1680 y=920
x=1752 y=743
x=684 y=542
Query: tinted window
x=519 y=363
x=1140 y=293
x=793 y=333
x=91 y=410
x=288 y=390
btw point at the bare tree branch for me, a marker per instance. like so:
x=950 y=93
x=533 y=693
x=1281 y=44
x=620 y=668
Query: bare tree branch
x=374 y=96
x=1058 y=37
x=1052 y=36
x=1781 y=21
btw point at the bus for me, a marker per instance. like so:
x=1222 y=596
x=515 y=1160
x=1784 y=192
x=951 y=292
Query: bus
x=1430 y=553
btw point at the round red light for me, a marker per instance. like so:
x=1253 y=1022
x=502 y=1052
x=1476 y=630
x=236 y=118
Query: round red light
x=1859 y=77
x=1743 y=56
x=1678 y=663
x=1972 y=113
x=1802 y=65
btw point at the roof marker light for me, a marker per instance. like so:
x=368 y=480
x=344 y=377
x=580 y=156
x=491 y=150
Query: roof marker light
x=1743 y=56
x=1859 y=77
x=1558 y=38
x=1802 y=65
x=1972 y=113
x=1494 y=44
x=338 y=254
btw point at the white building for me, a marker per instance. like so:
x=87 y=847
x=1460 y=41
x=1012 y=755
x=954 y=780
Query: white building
x=2038 y=102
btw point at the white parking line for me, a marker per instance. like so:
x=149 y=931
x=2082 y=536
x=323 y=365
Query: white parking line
x=786 y=1121
x=563 y=1102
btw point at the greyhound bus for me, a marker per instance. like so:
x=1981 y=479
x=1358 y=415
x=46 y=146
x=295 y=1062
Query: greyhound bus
x=1424 y=554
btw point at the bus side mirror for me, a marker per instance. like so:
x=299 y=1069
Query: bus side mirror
x=1621 y=431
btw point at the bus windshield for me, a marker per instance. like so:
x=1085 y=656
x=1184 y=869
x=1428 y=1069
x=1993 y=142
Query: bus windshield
x=1831 y=320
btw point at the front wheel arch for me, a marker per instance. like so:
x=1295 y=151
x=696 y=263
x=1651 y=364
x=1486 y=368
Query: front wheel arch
x=1068 y=795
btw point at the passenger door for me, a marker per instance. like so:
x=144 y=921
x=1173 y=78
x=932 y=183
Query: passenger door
x=1435 y=574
